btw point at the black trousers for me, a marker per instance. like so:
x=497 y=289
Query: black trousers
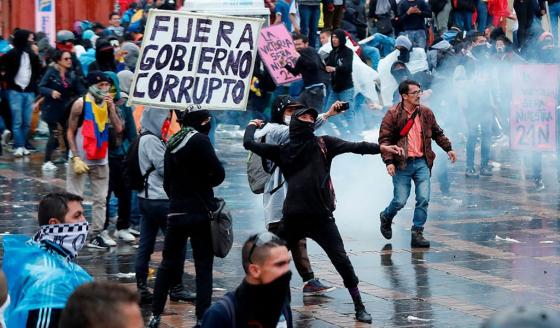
x=299 y=254
x=52 y=142
x=179 y=229
x=313 y=97
x=325 y=232
x=118 y=186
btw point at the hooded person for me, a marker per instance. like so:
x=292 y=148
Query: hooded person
x=153 y=201
x=41 y=271
x=310 y=201
x=131 y=53
x=275 y=190
x=22 y=69
x=125 y=82
x=104 y=57
x=119 y=143
x=189 y=185
x=339 y=65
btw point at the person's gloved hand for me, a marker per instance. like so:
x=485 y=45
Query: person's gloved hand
x=79 y=166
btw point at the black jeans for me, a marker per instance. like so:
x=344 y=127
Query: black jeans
x=299 y=254
x=118 y=186
x=179 y=229
x=153 y=219
x=52 y=143
x=325 y=232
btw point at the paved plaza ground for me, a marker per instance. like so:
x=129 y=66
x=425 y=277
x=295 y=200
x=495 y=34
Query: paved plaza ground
x=495 y=242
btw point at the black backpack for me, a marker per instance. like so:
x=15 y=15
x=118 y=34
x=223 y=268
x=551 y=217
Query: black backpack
x=133 y=177
x=258 y=171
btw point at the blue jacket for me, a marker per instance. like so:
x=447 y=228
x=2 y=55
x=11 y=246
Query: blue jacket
x=40 y=276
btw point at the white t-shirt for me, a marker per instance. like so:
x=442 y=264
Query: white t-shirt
x=23 y=76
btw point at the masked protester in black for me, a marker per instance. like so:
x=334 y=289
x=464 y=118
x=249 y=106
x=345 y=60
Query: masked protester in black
x=310 y=202
x=191 y=170
x=263 y=298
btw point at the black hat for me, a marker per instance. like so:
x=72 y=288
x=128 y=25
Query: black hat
x=308 y=110
x=279 y=106
x=95 y=77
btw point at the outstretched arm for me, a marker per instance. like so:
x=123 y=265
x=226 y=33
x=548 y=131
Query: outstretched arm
x=271 y=152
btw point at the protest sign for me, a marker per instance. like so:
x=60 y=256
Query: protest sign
x=195 y=59
x=275 y=43
x=533 y=107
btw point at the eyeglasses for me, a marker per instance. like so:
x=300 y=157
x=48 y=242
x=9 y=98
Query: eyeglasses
x=67 y=58
x=415 y=93
x=262 y=239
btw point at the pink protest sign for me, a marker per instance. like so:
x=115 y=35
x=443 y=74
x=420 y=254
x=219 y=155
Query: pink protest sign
x=275 y=43
x=533 y=107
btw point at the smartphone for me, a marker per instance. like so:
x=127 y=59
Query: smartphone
x=344 y=106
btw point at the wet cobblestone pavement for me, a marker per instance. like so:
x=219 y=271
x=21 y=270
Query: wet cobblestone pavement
x=495 y=242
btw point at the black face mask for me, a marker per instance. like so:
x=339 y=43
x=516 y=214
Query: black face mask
x=480 y=52
x=264 y=303
x=404 y=55
x=204 y=128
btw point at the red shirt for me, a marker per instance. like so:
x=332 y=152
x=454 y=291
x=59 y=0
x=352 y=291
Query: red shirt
x=414 y=138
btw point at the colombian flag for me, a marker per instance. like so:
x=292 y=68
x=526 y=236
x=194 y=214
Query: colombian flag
x=95 y=130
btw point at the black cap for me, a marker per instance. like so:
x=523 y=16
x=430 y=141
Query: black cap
x=95 y=77
x=279 y=106
x=308 y=110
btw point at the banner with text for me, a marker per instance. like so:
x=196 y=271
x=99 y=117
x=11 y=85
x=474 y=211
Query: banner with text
x=275 y=43
x=533 y=107
x=195 y=59
x=45 y=18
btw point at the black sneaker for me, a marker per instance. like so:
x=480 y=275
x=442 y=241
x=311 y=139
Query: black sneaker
x=418 y=240
x=316 y=287
x=486 y=171
x=154 y=321
x=362 y=315
x=98 y=243
x=539 y=185
x=179 y=294
x=471 y=173
x=385 y=226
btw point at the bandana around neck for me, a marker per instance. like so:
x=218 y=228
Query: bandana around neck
x=71 y=237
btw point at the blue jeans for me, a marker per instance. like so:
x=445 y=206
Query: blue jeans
x=154 y=219
x=309 y=16
x=416 y=170
x=482 y=17
x=344 y=121
x=554 y=14
x=373 y=54
x=463 y=19
x=417 y=37
x=385 y=44
x=485 y=123
x=21 y=105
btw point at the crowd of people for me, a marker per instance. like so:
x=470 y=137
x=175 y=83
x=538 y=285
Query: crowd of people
x=364 y=65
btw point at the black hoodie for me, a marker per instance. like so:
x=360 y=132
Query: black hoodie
x=305 y=167
x=310 y=66
x=341 y=58
x=10 y=62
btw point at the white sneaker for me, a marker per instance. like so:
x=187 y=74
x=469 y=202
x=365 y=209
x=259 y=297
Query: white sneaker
x=49 y=166
x=124 y=235
x=134 y=232
x=6 y=137
x=26 y=152
x=106 y=239
x=19 y=152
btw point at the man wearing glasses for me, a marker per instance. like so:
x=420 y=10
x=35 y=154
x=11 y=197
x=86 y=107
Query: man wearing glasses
x=411 y=126
x=263 y=298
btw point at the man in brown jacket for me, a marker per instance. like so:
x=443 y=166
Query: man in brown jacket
x=411 y=126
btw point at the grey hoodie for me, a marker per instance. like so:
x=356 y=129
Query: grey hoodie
x=151 y=151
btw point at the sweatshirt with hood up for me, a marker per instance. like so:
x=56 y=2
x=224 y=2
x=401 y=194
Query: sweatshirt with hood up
x=151 y=151
x=341 y=59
